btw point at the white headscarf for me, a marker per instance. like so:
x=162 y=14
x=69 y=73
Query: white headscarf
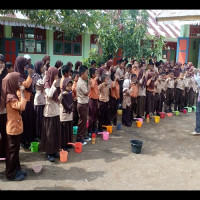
x=27 y=56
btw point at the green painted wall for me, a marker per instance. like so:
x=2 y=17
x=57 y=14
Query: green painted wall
x=49 y=49
x=193 y=51
x=185 y=30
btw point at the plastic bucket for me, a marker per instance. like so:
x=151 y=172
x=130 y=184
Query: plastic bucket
x=176 y=112
x=184 y=111
x=78 y=147
x=139 y=124
x=119 y=126
x=108 y=128
x=75 y=130
x=105 y=135
x=136 y=146
x=34 y=146
x=162 y=115
x=63 y=156
x=189 y=109
x=140 y=119
x=157 y=119
x=194 y=108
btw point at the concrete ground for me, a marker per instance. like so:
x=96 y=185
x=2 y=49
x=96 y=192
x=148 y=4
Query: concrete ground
x=169 y=160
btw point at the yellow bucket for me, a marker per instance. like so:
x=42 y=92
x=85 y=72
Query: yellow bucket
x=157 y=119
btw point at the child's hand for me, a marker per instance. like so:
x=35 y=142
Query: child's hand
x=54 y=82
x=65 y=92
x=30 y=72
x=22 y=88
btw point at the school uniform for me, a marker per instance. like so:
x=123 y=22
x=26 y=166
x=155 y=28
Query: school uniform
x=50 y=138
x=186 y=97
x=75 y=111
x=150 y=99
x=39 y=104
x=126 y=105
x=169 y=92
x=163 y=95
x=28 y=115
x=93 y=105
x=82 y=107
x=103 y=105
x=114 y=100
x=134 y=95
x=193 y=88
x=141 y=99
x=180 y=89
x=66 y=123
x=14 y=129
x=120 y=74
x=158 y=102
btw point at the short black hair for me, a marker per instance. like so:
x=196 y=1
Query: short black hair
x=78 y=63
x=74 y=74
x=133 y=75
x=129 y=66
x=126 y=60
x=9 y=65
x=92 y=71
x=151 y=63
x=103 y=77
x=65 y=69
x=93 y=62
x=82 y=69
x=120 y=61
x=134 y=60
x=112 y=76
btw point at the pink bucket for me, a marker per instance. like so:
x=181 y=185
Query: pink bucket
x=140 y=119
x=105 y=135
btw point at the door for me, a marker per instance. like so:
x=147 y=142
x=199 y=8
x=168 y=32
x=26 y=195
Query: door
x=182 y=50
x=10 y=50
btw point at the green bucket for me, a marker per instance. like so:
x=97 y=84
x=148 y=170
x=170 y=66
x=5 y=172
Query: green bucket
x=34 y=146
x=194 y=108
x=176 y=112
x=75 y=130
x=189 y=109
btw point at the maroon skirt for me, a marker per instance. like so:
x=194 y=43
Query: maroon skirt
x=51 y=134
x=66 y=133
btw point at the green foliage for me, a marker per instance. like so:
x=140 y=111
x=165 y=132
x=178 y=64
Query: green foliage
x=125 y=29
x=93 y=55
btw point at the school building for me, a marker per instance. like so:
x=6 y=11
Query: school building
x=189 y=41
x=18 y=36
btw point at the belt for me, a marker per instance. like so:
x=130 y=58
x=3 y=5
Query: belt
x=170 y=88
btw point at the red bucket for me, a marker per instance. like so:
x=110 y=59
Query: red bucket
x=162 y=115
x=184 y=111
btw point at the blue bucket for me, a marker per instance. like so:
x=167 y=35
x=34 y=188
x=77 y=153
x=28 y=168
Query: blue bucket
x=119 y=126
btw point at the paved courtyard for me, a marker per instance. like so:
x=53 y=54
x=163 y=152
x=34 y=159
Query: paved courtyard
x=169 y=160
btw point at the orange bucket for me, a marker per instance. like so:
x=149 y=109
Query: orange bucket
x=108 y=128
x=63 y=156
x=139 y=124
x=78 y=146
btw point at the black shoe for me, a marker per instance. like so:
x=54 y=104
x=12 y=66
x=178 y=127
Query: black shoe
x=56 y=155
x=50 y=157
x=18 y=177
x=23 y=172
x=82 y=141
x=66 y=149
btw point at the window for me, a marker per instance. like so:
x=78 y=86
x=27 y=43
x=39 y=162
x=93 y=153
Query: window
x=194 y=31
x=30 y=40
x=64 y=45
x=164 y=54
